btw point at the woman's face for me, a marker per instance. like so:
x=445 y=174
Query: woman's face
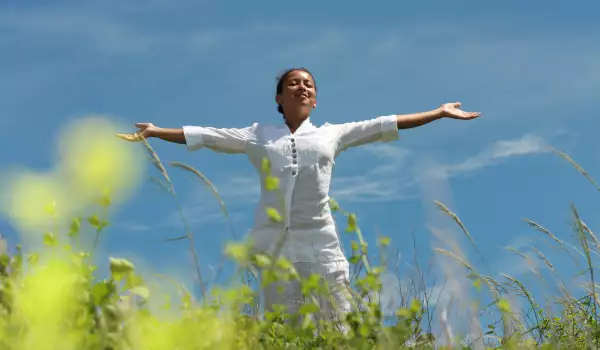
x=298 y=91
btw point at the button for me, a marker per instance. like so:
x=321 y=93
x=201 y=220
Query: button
x=294 y=173
x=294 y=150
x=295 y=156
x=292 y=139
x=293 y=145
x=294 y=161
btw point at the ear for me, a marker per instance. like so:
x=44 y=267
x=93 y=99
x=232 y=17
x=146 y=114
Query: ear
x=315 y=105
x=278 y=99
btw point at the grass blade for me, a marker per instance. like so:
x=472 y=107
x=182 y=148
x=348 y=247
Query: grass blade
x=576 y=166
x=547 y=232
x=177 y=238
x=212 y=189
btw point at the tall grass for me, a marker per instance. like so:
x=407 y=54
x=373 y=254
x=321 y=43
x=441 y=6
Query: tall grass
x=55 y=299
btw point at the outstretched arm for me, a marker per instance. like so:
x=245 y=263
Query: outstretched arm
x=226 y=140
x=447 y=110
x=148 y=130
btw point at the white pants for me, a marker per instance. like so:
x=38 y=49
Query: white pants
x=289 y=294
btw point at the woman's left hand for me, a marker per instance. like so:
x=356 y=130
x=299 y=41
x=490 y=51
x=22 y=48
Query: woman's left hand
x=452 y=110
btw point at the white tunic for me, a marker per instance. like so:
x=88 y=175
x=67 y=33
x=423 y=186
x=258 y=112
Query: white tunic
x=303 y=162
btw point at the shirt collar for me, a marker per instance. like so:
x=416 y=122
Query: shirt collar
x=305 y=125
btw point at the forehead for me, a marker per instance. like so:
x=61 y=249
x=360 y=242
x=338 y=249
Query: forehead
x=299 y=75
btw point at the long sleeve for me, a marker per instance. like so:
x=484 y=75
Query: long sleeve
x=353 y=134
x=225 y=140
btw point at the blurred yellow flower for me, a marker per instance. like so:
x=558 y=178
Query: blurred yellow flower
x=34 y=201
x=94 y=161
x=94 y=167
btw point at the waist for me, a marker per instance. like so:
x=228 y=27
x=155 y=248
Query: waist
x=299 y=243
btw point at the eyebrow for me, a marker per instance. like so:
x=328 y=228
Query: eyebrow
x=298 y=79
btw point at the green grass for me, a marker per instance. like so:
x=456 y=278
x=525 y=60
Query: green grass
x=53 y=299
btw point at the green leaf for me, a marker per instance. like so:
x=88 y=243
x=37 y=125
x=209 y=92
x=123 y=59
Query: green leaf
x=503 y=305
x=105 y=200
x=266 y=166
x=364 y=330
x=363 y=247
x=262 y=260
x=272 y=183
x=477 y=284
x=372 y=282
x=415 y=306
x=311 y=283
x=120 y=265
x=33 y=258
x=141 y=291
x=377 y=270
x=308 y=308
x=274 y=215
x=354 y=245
x=132 y=280
x=4 y=260
x=284 y=264
x=351 y=223
x=237 y=251
x=186 y=301
x=384 y=241
x=403 y=312
x=75 y=227
x=101 y=290
x=333 y=204
x=50 y=240
x=94 y=221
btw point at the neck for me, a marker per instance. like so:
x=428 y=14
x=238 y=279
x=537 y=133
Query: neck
x=294 y=120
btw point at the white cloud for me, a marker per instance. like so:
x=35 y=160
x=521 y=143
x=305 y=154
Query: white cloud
x=398 y=170
x=202 y=208
x=196 y=213
x=386 y=181
x=500 y=150
x=240 y=190
x=445 y=235
x=74 y=26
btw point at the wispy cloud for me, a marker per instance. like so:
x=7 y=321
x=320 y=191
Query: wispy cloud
x=445 y=236
x=202 y=208
x=386 y=181
x=196 y=213
x=492 y=155
x=398 y=171
x=78 y=28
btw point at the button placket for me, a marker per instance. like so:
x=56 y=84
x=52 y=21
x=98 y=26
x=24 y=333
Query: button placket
x=289 y=194
x=294 y=157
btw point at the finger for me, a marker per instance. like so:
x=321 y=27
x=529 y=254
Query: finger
x=456 y=104
x=473 y=115
x=141 y=125
x=130 y=137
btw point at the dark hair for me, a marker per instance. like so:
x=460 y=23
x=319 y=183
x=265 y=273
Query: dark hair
x=282 y=78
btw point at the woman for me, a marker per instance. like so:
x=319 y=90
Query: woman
x=301 y=156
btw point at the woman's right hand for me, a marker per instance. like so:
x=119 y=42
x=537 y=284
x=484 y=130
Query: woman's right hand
x=146 y=130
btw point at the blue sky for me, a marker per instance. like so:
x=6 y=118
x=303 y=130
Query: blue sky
x=532 y=69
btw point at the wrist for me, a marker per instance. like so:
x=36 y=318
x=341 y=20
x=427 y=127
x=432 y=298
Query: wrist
x=152 y=132
x=438 y=113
